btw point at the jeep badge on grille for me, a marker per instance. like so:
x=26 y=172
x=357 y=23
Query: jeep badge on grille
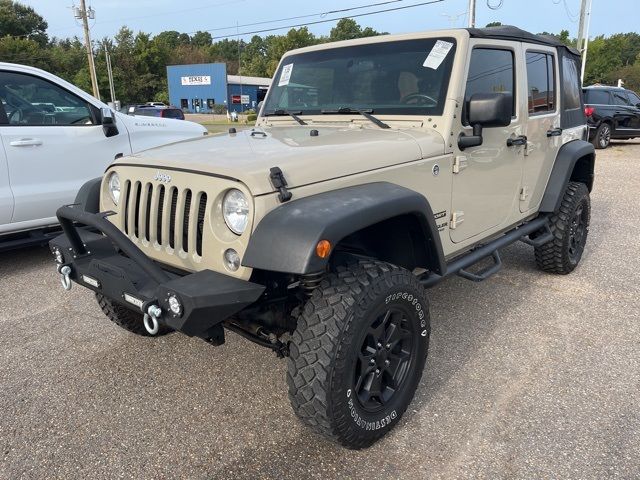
x=162 y=177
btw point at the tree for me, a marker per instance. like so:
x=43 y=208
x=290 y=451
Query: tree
x=493 y=24
x=201 y=39
x=348 y=29
x=18 y=20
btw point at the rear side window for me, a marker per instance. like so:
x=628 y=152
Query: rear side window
x=597 y=97
x=620 y=98
x=570 y=84
x=490 y=70
x=541 y=89
x=173 y=113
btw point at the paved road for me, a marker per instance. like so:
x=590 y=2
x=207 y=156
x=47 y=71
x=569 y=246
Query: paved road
x=530 y=376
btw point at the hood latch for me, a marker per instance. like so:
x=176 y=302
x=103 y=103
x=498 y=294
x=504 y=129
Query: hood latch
x=279 y=183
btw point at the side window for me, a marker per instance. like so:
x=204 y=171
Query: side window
x=597 y=97
x=490 y=70
x=619 y=98
x=570 y=84
x=635 y=100
x=540 y=83
x=30 y=100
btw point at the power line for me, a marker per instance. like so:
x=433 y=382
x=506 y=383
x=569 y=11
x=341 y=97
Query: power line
x=329 y=20
x=321 y=14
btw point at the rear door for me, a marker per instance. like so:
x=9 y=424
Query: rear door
x=53 y=144
x=634 y=107
x=542 y=126
x=625 y=114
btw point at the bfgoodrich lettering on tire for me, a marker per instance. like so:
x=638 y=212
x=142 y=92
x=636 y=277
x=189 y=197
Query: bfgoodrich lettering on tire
x=358 y=352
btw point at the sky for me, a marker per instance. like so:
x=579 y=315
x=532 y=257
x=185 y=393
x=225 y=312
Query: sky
x=154 y=16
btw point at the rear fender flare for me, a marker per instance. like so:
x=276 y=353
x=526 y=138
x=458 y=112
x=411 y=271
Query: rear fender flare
x=575 y=161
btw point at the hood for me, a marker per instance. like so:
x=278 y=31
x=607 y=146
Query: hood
x=304 y=159
x=149 y=132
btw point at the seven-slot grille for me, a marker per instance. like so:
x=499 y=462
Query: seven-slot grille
x=169 y=216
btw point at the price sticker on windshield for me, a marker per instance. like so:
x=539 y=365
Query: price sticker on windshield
x=285 y=76
x=438 y=54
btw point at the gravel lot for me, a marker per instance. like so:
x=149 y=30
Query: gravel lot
x=530 y=375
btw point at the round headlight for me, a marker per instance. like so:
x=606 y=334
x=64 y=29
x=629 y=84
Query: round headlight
x=114 y=187
x=235 y=210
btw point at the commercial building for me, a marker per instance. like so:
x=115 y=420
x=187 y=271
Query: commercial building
x=198 y=88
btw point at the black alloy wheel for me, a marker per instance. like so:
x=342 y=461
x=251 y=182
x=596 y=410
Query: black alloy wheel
x=385 y=357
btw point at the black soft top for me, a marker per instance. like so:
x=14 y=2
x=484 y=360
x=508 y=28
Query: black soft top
x=507 y=32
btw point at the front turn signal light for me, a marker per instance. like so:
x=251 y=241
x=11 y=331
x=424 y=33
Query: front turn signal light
x=323 y=248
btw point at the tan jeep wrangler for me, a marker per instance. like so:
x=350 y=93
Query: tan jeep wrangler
x=377 y=168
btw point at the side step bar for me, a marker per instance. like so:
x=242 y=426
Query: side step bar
x=458 y=266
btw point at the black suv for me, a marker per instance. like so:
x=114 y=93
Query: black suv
x=612 y=112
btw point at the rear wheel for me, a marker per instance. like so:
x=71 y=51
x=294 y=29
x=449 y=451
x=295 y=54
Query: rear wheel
x=602 y=137
x=126 y=318
x=358 y=352
x=570 y=227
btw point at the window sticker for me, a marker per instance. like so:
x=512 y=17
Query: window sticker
x=285 y=76
x=437 y=55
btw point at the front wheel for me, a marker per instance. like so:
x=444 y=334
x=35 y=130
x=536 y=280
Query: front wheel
x=358 y=352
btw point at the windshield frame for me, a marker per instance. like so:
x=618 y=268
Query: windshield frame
x=410 y=110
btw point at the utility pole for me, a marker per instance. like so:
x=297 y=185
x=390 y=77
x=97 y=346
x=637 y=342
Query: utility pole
x=472 y=14
x=583 y=33
x=109 y=73
x=84 y=15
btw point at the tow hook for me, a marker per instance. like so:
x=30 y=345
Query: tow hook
x=150 y=319
x=65 y=279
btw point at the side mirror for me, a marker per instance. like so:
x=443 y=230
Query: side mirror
x=108 y=122
x=486 y=110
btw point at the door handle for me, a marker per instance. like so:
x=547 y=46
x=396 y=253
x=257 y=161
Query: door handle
x=517 y=141
x=554 y=132
x=26 y=142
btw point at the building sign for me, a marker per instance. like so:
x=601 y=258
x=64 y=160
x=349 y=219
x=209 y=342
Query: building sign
x=196 y=80
x=240 y=99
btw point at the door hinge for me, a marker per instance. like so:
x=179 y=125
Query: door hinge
x=456 y=219
x=459 y=163
x=524 y=193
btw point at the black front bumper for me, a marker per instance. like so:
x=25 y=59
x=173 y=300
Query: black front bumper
x=112 y=265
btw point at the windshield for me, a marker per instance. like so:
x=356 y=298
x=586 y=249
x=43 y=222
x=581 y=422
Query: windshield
x=404 y=77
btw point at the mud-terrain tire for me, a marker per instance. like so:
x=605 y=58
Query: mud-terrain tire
x=126 y=318
x=570 y=227
x=365 y=329
x=602 y=138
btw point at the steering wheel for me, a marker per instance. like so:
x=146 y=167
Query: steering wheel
x=420 y=98
x=16 y=113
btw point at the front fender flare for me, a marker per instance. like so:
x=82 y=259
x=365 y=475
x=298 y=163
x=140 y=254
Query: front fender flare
x=285 y=239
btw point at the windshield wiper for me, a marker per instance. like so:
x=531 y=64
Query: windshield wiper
x=281 y=113
x=365 y=113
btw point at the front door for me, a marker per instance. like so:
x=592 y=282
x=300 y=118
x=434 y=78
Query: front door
x=544 y=135
x=6 y=196
x=53 y=144
x=487 y=178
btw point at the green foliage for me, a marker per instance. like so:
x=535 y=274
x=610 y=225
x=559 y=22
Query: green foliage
x=493 y=24
x=18 y=20
x=348 y=29
x=252 y=117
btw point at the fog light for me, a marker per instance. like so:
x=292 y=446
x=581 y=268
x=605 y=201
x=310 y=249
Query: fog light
x=174 y=305
x=58 y=254
x=231 y=259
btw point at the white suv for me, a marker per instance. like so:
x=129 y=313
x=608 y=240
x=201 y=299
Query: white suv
x=53 y=138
